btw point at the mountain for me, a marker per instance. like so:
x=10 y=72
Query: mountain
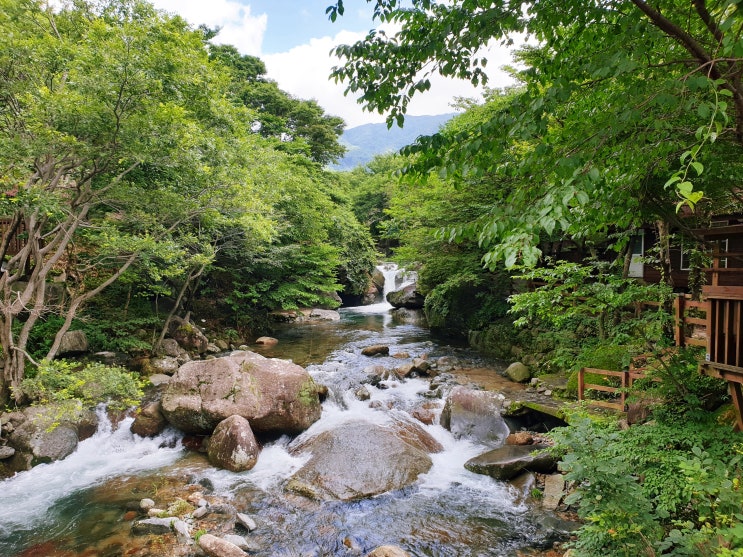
x=368 y=140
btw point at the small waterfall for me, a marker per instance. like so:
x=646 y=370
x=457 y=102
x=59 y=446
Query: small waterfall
x=26 y=497
x=395 y=278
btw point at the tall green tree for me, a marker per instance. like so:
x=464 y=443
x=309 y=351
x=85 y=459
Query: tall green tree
x=111 y=145
x=297 y=125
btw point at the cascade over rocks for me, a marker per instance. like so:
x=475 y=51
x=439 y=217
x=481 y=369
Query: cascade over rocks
x=473 y=414
x=275 y=396
x=48 y=433
x=407 y=297
x=359 y=459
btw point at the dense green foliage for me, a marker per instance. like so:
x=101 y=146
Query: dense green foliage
x=90 y=384
x=626 y=108
x=129 y=156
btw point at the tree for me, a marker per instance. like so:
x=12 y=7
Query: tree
x=112 y=143
x=627 y=108
x=296 y=125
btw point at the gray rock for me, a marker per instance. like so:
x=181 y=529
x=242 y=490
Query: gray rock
x=266 y=341
x=473 y=414
x=518 y=372
x=170 y=347
x=73 y=342
x=241 y=542
x=51 y=432
x=407 y=297
x=362 y=393
x=509 y=461
x=233 y=445
x=149 y=420
x=159 y=379
x=182 y=532
x=325 y=315
x=165 y=365
x=146 y=504
x=157 y=526
x=201 y=512
x=246 y=522
x=554 y=489
x=388 y=551
x=276 y=396
x=6 y=452
x=212 y=348
x=188 y=335
x=359 y=459
x=218 y=547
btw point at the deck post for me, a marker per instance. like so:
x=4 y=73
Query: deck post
x=678 y=306
x=737 y=396
x=581 y=383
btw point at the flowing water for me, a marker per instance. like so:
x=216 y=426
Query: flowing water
x=74 y=507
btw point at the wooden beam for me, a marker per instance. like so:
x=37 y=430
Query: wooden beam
x=737 y=396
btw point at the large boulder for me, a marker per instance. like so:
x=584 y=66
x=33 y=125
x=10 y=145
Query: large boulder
x=73 y=342
x=406 y=297
x=388 y=551
x=233 y=446
x=359 y=459
x=509 y=461
x=275 y=396
x=473 y=414
x=188 y=335
x=518 y=372
x=51 y=432
x=149 y=420
x=218 y=547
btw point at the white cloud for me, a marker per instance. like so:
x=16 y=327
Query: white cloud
x=238 y=26
x=303 y=71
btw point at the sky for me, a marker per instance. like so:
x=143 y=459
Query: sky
x=294 y=39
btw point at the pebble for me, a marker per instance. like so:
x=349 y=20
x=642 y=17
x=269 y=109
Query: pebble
x=146 y=504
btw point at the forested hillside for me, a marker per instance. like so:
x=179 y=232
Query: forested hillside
x=366 y=141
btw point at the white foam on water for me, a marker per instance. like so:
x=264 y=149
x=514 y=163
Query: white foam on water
x=26 y=497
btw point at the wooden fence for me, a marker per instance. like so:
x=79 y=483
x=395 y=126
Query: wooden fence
x=690 y=329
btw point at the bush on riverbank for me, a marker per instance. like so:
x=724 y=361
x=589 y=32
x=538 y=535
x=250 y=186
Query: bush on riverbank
x=671 y=486
x=90 y=383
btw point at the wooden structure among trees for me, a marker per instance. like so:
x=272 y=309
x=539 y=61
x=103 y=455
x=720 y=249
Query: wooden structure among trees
x=724 y=324
x=715 y=322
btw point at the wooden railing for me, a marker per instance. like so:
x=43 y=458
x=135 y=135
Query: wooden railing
x=626 y=378
x=690 y=330
x=725 y=345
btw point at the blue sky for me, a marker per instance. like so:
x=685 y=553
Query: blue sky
x=291 y=23
x=294 y=39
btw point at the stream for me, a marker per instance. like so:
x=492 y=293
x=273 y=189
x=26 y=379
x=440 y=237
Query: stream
x=75 y=507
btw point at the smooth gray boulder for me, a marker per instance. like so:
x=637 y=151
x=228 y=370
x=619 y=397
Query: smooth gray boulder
x=518 y=372
x=73 y=342
x=407 y=297
x=51 y=432
x=275 y=396
x=473 y=414
x=509 y=461
x=359 y=459
x=218 y=547
x=233 y=446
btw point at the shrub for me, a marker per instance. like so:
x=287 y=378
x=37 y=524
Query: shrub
x=92 y=383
